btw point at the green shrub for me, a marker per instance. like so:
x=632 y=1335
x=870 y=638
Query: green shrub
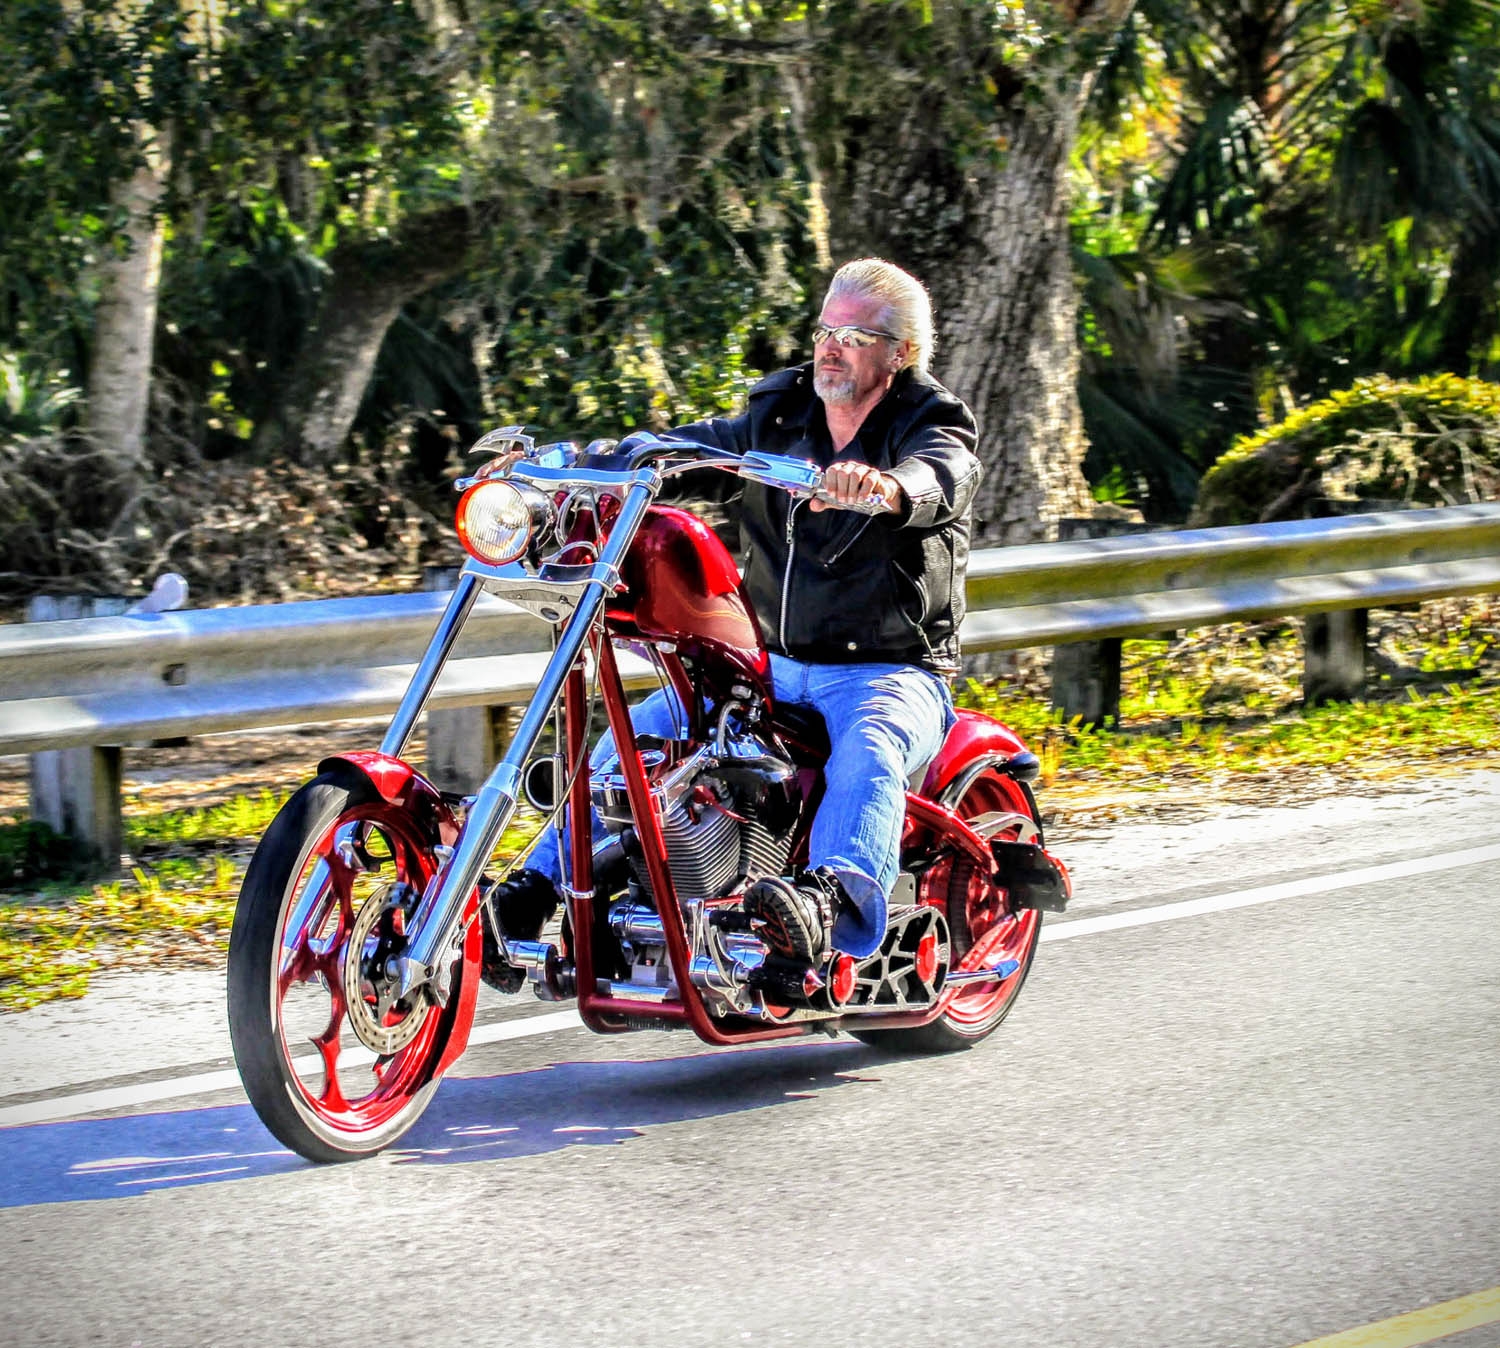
x=31 y=854
x=1378 y=444
x=33 y=401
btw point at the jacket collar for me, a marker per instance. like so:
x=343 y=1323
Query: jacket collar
x=876 y=426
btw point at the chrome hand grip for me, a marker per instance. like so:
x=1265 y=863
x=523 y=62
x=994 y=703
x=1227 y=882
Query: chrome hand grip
x=805 y=480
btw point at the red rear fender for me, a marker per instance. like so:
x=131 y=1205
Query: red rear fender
x=976 y=737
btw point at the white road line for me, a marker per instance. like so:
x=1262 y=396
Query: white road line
x=1292 y=889
x=203 y=1083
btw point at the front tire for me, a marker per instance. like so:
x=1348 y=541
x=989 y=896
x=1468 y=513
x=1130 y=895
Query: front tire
x=984 y=928
x=315 y=924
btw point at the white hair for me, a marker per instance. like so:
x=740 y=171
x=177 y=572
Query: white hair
x=907 y=311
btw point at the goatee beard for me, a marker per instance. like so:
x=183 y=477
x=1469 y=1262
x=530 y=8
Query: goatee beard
x=833 y=387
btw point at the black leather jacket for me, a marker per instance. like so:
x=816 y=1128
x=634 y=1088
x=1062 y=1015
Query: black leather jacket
x=835 y=587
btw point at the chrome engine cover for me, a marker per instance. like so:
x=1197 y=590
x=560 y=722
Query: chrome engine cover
x=702 y=840
x=726 y=811
x=703 y=852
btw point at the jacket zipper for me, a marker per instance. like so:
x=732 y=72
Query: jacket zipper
x=917 y=583
x=786 y=579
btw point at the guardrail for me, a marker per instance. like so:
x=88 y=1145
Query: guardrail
x=92 y=682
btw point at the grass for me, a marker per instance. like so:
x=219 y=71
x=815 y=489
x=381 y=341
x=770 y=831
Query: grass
x=175 y=904
x=1204 y=720
x=1363 y=739
x=238 y=817
x=168 y=912
x=1225 y=707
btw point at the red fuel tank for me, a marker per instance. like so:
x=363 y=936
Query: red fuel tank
x=682 y=586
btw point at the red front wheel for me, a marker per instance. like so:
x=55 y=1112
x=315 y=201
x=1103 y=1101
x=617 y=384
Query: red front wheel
x=335 y=1063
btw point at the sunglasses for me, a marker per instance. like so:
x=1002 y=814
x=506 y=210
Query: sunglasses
x=850 y=334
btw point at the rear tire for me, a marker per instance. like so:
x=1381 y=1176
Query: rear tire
x=305 y=935
x=984 y=930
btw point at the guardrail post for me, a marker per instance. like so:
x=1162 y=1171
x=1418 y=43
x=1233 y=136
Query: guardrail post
x=1334 y=646
x=1086 y=680
x=1086 y=674
x=463 y=744
x=77 y=791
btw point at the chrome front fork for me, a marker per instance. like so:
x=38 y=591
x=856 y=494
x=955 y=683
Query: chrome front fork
x=434 y=927
x=460 y=602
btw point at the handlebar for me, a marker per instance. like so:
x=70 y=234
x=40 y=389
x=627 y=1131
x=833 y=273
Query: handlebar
x=803 y=480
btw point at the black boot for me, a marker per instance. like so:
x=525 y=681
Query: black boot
x=796 y=920
x=519 y=907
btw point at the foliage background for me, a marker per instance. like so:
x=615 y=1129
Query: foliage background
x=612 y=213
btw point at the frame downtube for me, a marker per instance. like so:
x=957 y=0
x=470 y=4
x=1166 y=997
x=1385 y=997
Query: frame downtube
x=594 y=1008
x=579 y=895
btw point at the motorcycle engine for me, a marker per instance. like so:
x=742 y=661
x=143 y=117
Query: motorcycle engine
x=727 y=812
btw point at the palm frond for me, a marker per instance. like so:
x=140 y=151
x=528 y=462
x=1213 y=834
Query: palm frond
x=1218 y=175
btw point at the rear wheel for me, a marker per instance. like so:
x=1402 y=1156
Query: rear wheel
x=985 y=929
x=336 y=1065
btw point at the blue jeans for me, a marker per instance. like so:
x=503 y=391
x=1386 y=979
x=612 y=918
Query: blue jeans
x=884 y=722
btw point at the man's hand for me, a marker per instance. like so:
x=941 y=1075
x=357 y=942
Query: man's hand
x=853 y=483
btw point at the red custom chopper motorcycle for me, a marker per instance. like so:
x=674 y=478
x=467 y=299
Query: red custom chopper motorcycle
x=354 y=961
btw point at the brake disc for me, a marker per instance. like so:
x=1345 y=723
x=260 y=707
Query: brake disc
x=369 y=991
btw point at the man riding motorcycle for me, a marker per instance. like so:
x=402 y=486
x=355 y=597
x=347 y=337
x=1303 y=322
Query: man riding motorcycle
x=860 y=612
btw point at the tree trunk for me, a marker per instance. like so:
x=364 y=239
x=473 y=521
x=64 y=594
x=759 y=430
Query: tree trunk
x=332 y=368
x=367 y=287
x=119 y=378
x=954 y=163
x=1007 y=307
x=992 y=245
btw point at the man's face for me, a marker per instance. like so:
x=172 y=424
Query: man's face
x=845 y=375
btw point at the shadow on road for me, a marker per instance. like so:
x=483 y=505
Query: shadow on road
x=470 y=1119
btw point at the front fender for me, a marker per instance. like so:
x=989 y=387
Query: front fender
x=977 y=738
x=403 y=786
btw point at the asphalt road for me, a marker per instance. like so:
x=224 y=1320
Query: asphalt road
x=1259 y=1125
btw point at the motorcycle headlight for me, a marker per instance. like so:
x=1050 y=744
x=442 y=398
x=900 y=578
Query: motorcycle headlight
x=497 y=518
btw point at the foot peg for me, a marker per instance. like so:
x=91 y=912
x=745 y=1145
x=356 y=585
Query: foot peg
x=792 y=982
x=515 y=909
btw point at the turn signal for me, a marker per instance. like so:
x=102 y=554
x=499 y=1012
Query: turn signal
x=497 y=518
